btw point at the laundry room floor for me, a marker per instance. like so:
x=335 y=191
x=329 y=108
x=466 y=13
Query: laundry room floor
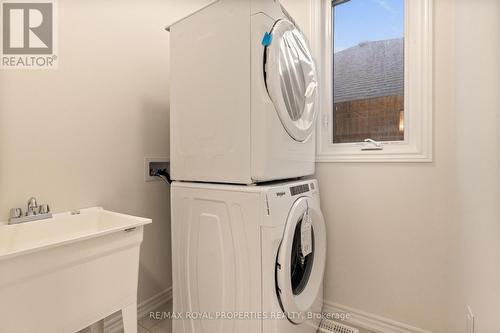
x=148 y=325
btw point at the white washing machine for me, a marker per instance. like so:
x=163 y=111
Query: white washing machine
x=243 y=95
x=247 y=259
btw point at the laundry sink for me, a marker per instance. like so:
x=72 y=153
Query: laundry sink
x=62 y=274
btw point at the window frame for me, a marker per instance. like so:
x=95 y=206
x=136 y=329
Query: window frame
x=418 y=89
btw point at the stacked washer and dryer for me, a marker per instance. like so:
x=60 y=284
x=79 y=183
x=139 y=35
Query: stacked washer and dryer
x=248 y=236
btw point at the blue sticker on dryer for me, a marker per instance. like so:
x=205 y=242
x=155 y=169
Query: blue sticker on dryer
x=268 y=39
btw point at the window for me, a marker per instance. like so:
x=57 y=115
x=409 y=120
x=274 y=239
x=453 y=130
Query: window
x=368 y=70
x=375 y=58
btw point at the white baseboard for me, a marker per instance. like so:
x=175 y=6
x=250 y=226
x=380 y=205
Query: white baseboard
x=357 y=318
x=368 y=321
x=114 y=323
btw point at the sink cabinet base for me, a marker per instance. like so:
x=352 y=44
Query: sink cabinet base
x=67 y=288
x=129 y=317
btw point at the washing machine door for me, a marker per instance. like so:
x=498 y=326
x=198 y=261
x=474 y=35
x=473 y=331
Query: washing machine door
x=300 y=265
x=291 y=79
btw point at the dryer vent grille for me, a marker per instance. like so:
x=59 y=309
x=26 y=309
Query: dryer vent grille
x=330 y=326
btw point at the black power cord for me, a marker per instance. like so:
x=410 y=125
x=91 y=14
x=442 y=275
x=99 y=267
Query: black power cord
x=163 y=174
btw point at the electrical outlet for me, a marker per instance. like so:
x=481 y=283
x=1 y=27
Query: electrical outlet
x=151 y=164
x=470 y=320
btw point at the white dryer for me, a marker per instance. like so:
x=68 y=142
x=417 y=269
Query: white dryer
x=243 y=95
x=247 y=259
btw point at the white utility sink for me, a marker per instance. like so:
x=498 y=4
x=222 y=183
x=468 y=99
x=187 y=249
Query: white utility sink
x=65 y=273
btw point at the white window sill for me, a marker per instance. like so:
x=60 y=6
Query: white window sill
x=392 y=152
x=400 y=155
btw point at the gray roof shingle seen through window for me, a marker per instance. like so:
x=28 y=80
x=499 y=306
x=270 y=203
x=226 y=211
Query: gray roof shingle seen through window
x=368 y=70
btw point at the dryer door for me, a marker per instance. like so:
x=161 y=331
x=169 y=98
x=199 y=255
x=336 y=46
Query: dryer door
x=300 y=264
x=291 y=79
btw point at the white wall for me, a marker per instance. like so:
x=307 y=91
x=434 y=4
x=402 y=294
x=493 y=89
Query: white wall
x=77 y=136
x=389 y=224
x=417 y=243
x=478 y=161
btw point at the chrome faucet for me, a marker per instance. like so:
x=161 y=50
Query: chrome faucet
x=32 y=207
x=33 y=212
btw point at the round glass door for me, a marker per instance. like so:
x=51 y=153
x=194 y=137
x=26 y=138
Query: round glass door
x=300 y=264
x=291 y=79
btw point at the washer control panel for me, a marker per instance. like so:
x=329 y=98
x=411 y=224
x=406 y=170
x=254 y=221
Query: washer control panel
x=299 y=189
